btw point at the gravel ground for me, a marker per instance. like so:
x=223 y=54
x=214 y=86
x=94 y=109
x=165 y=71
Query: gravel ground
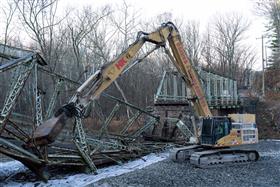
x=156 y=170
x=264 y=173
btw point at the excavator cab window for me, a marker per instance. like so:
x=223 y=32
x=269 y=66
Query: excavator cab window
x=214 y=128
x=206 y=131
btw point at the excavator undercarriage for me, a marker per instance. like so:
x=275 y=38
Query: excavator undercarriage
x=208 y=156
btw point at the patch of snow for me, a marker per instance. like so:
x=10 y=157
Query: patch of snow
x=86 y=179
x=193 y=140
x=11 y=168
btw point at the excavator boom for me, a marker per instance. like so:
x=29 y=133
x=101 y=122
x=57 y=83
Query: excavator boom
x=92 y=88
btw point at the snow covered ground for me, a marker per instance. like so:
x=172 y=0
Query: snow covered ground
x=13 y=167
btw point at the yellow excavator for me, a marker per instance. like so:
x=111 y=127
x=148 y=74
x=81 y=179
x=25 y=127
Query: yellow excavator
x=217 y=132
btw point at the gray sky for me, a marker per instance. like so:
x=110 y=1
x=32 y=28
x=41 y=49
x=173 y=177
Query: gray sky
x=199 y=10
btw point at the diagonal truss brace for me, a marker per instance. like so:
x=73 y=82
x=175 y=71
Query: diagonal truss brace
x=187 y=133
x=184 y=129
x=150 y=123
x=109 y=119
x=130 y=122
x=56 y=92
x=38 y=108
x=38 y=99
x=81 y=144
x=21 y=76
x=106 y=144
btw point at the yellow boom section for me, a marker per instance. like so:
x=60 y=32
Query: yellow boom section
x=102 y=79
x=167 y=32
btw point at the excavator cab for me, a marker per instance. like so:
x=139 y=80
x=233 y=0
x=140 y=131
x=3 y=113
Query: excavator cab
x=214 y=128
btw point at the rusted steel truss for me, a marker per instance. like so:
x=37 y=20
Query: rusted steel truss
x=77 y=146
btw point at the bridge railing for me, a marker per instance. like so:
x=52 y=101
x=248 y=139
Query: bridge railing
x=220 y=92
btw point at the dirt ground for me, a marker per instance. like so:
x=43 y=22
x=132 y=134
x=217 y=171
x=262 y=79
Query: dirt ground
x=268 y=119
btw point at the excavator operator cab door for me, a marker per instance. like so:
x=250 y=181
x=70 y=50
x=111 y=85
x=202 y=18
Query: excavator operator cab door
x=214 y=128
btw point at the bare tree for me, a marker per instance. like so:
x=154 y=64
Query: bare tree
x=228 y=33
x=126 y=25
x=82 y=25
x=99 y=46
x=39 y=20
x=191 y=38
x=208 y=49
x=225 y=49
x=270 y=9
x=9 y=12
x=244 y=60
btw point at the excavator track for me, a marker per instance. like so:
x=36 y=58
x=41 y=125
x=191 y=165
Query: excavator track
x=207 y=157
x=222 y=157
x=184 y=153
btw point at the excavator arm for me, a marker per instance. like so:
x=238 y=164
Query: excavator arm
x=102 y=79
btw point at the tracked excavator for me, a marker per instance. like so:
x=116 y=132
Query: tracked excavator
x=217 y=132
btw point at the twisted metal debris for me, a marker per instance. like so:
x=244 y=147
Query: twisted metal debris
x=76 y=146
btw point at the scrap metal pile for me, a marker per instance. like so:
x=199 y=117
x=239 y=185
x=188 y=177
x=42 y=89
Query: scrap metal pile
x=77 y=145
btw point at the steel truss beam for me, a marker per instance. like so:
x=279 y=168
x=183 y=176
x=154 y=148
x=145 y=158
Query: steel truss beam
x=17 y=85
x=81 y=144
x=57 y=89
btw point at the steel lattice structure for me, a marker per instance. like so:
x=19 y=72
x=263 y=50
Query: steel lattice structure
x=80 y=148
